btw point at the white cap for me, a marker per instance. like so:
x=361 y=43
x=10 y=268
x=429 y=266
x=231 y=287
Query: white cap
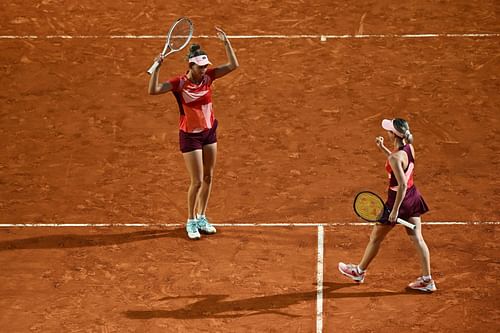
x=200 y=60
x=388 y=125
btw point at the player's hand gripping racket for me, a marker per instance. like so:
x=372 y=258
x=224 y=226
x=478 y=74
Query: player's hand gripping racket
x=178 y=37
x=371 y=208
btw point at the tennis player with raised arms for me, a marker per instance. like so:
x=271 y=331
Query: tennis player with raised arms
x=197 y=126
x=404 y=200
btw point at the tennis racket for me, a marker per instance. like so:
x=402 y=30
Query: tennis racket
x=178 y=37
x=371 y=208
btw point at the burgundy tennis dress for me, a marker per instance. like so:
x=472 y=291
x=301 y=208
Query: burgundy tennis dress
x=413 y=204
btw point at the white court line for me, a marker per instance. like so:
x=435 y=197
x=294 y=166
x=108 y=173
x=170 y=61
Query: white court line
x=321 y=37
x=319 y=280
x=168 y=225
x=320 y=252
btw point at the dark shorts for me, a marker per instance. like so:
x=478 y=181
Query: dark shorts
x=413 y=204
x=193 y=141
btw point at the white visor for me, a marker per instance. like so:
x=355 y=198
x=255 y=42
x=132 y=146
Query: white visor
x=200 y=60
x=388 y=125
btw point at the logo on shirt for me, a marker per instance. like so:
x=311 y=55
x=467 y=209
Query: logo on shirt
x=191 y=96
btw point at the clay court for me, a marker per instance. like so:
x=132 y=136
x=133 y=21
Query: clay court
x=93 y=186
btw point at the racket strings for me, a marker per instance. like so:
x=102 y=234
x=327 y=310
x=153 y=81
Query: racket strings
x=369 y=207
x=181 y=34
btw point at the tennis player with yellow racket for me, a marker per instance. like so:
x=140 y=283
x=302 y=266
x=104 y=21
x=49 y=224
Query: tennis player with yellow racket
x=404 y=206
x=197 y=122
x=370 y=207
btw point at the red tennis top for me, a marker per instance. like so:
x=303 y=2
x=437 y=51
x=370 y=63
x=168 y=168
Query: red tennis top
x=393 y=182
x=195 y=102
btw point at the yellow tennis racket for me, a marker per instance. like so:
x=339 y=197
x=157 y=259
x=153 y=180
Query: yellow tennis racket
x=370 y=207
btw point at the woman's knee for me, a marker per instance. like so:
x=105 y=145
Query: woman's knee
x=378 y=234
x=196 y=183
x=418 y=239
x=376 y=238
x=207 y=178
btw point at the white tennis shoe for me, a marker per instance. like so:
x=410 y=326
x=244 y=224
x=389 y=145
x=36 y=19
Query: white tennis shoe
x=192 y=229
x=422 y=285
x=351 y=271
x=205 y=226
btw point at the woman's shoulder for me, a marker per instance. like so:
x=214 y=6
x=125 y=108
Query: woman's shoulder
x=400 y=156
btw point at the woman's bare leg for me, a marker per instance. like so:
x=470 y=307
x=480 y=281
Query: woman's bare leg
x=422 y=249
x=378 y=234
x=209 y=159
x=194 y=165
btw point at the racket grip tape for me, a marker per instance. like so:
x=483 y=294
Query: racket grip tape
x=406 y=224
x=153 y=67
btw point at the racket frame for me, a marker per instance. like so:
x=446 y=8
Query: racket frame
x=167 y=49
x=399 y=220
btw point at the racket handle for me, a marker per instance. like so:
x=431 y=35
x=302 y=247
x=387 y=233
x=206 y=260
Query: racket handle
x=406 y=224
x=153 y=67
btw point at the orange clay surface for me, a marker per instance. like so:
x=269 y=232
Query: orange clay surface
x=82 y=142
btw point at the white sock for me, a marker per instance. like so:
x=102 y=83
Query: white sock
x=360 y=271
x=200 y=216
x=426 y=278
x=191 y=220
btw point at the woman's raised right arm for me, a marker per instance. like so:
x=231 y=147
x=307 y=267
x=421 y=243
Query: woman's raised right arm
x=156 y=88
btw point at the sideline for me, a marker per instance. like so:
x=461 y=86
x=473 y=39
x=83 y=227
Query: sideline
x=319 y=280
x=168 y=225
x=322 y=38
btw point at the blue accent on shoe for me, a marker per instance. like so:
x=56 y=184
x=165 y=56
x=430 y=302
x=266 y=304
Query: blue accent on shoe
x=205 y=226
x=192 y=229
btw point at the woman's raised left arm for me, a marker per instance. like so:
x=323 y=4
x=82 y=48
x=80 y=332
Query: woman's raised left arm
x=232 y=64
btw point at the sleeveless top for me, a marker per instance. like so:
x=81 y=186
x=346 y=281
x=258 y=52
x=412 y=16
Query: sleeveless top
x=393 y=182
